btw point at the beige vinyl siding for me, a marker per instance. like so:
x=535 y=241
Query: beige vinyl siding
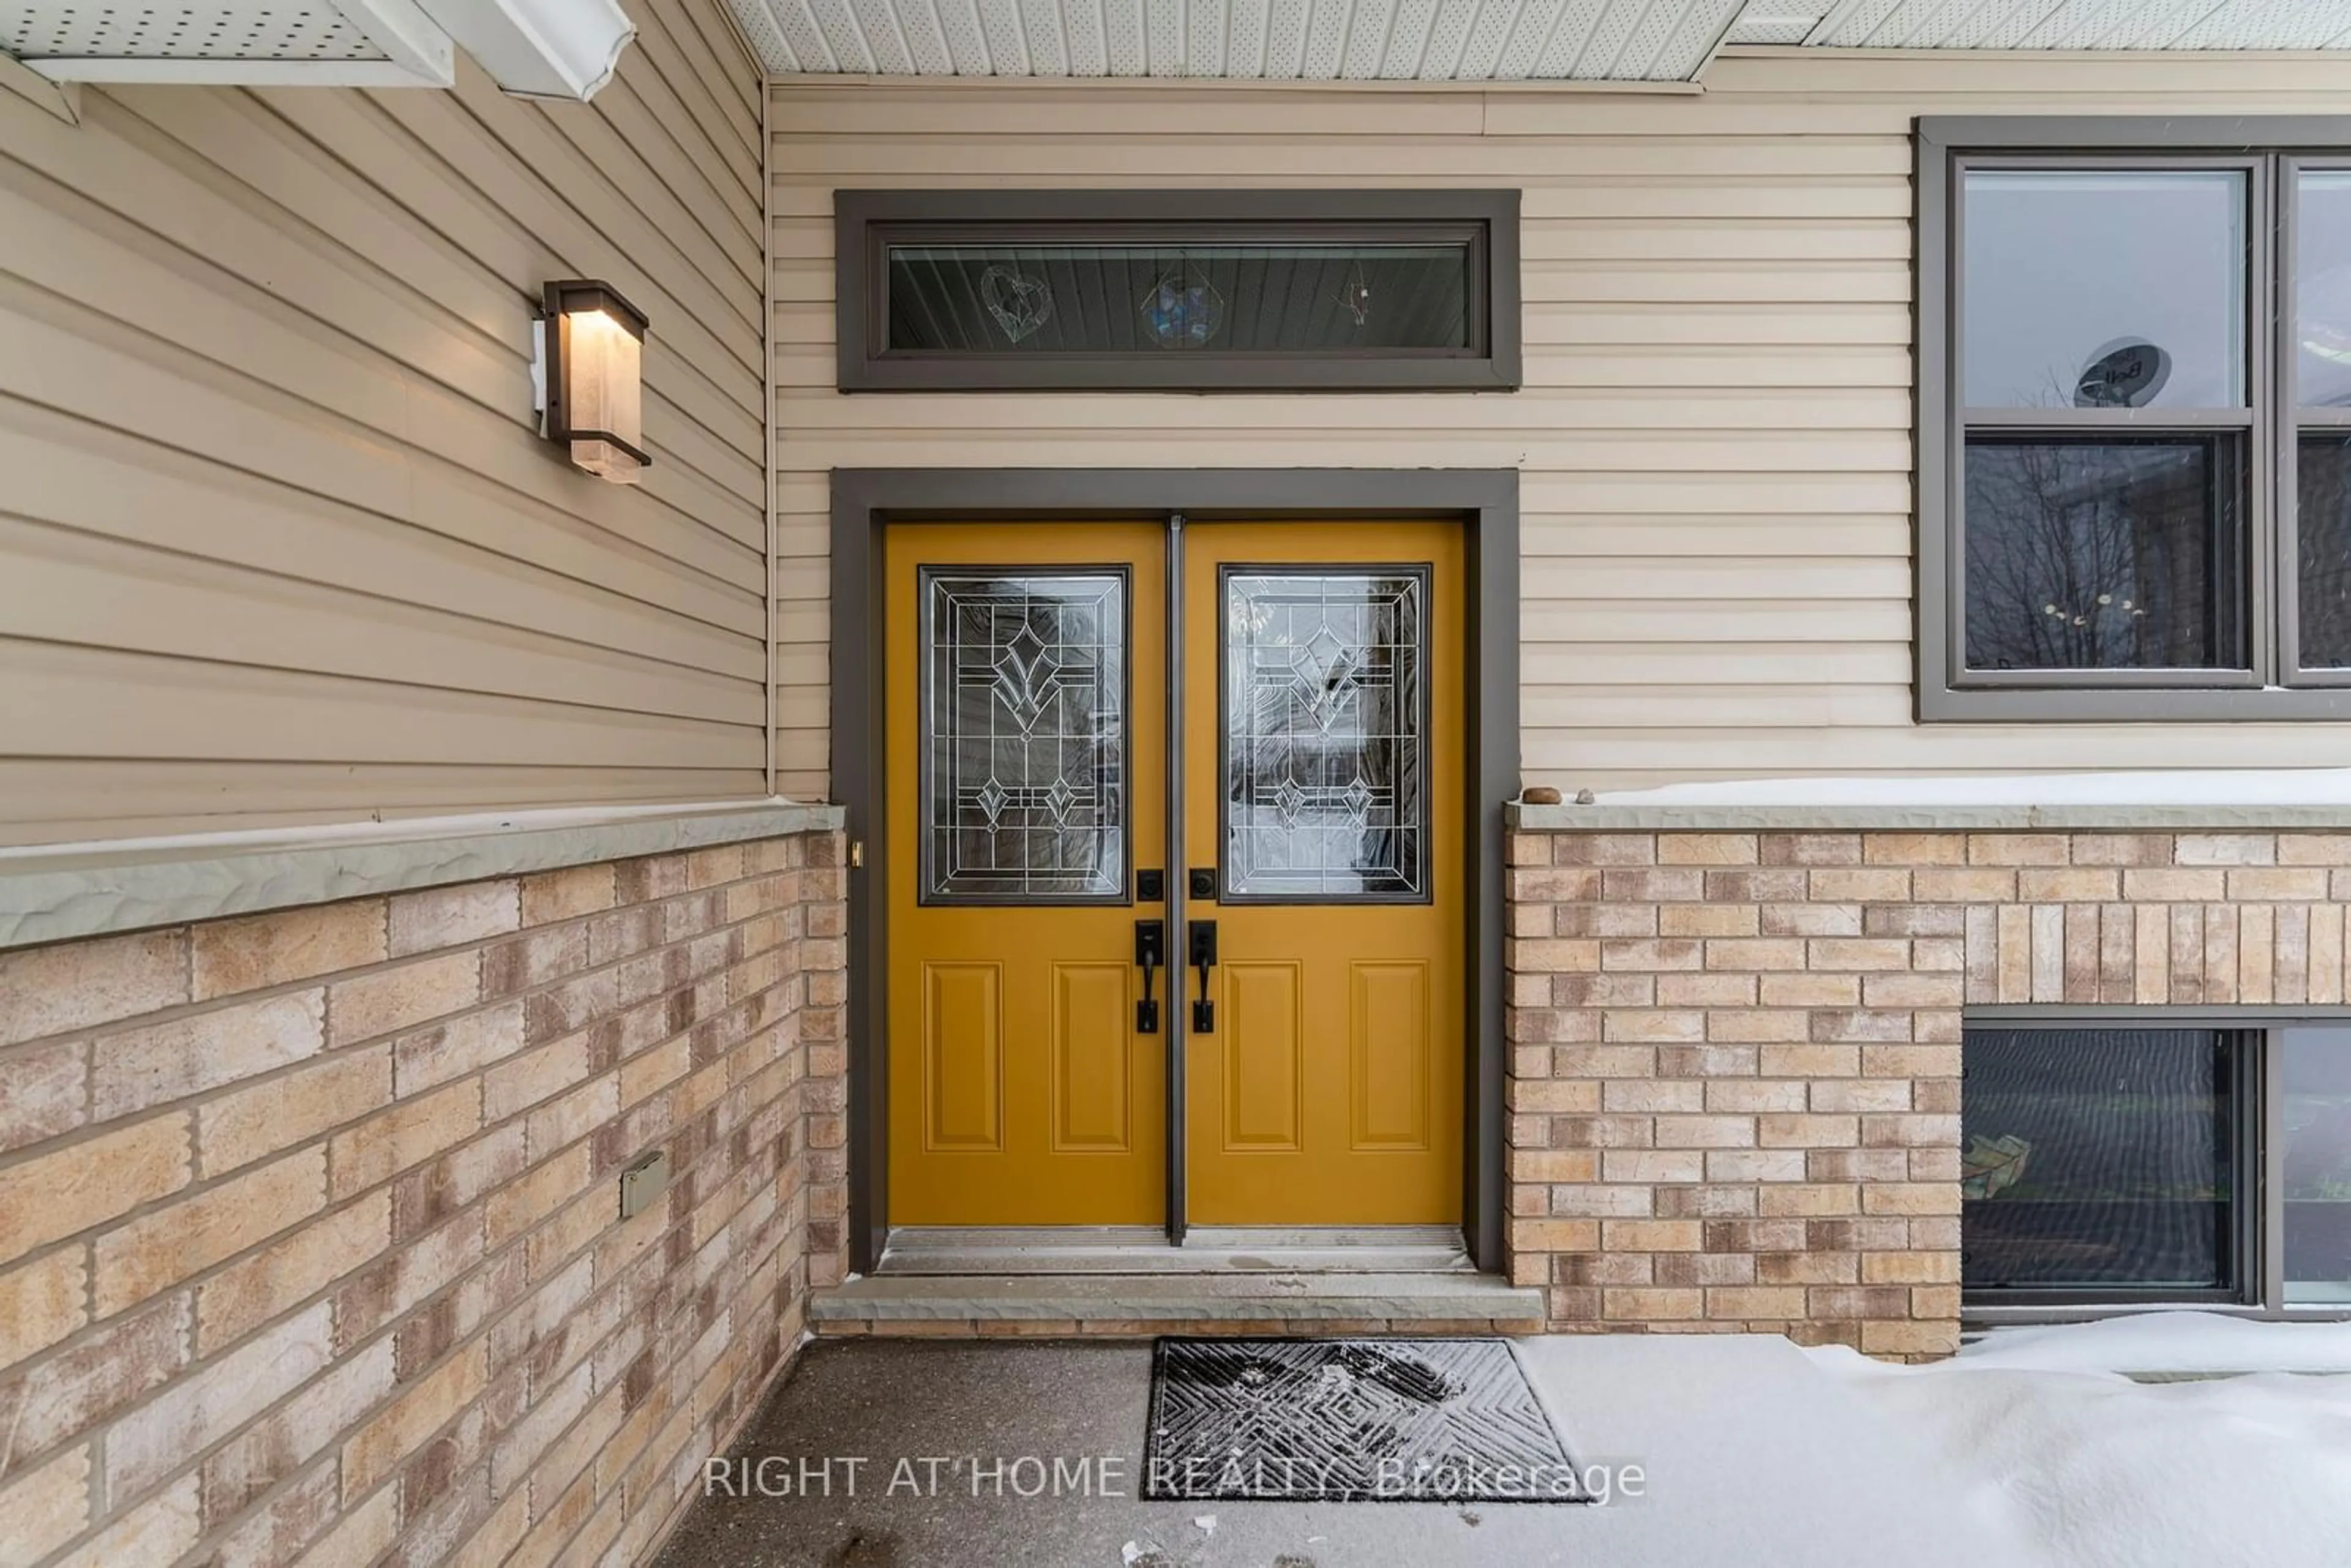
x=62 y=99
x=1715 y=428
x=278 y=542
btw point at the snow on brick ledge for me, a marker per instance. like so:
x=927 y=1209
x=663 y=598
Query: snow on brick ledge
x=2307 y=798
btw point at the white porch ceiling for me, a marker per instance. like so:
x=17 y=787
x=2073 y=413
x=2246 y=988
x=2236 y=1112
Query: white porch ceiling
x=1429 y=40
x=1469 y=40
x=2048 y=24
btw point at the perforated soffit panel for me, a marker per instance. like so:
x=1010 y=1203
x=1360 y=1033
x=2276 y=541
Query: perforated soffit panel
x=541 y=48
x=1311 y=40
x=2080 y=24
x=359 y=43
x=169 y=32
x=1468 y=40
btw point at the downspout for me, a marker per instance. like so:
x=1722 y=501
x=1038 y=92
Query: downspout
x=767 y=410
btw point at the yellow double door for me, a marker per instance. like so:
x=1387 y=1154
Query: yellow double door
x=1318 y=1043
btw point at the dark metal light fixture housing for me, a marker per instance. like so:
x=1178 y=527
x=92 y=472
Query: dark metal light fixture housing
x=593 y=397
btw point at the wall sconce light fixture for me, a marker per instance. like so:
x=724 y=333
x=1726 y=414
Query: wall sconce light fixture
x=590 y=378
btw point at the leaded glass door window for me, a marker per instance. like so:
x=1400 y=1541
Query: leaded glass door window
x=1025 y=738
x=1324 y=764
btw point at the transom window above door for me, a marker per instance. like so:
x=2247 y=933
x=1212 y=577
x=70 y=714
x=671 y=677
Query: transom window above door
x=2135 y=420
x=1177 y=290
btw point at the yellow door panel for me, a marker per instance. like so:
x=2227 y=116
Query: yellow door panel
x=1093 y=1014
x=963 y=1058
x=1390 y=1074
x=1324 y=765
x=1024 y=686
x=1264 y=1030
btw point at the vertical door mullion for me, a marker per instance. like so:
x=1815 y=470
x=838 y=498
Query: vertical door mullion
x=2285 y=616
x=2272 y=1154
x=1177 y=1034
x=2259 y=476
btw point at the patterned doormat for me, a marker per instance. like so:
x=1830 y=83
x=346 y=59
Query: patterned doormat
x=1350 y=1420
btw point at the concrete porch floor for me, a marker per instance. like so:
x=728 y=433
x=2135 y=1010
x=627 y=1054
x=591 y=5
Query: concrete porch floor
x=1751 y=1456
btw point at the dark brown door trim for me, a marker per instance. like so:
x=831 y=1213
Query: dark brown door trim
x=866 y=500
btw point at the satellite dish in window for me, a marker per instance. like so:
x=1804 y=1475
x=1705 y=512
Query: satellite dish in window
x=2124 y=373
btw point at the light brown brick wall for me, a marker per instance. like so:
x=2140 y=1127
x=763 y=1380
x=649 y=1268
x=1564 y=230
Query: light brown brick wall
x=1734 y=1085
x=309 y=1235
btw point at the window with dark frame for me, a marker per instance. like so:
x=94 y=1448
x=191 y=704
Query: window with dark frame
x=1177 y=290
x=2138 y=1163
x=2102 y=1160
x=2135 y=420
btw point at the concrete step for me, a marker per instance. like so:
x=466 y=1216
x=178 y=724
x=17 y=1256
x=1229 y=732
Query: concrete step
x=1439 y=1302
x=1074 y=1249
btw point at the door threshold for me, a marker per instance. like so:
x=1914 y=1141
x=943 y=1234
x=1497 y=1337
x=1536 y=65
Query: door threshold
x=1130 y=1304
x=1144 y=1249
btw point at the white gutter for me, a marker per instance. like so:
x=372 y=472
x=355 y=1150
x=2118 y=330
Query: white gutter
x=540 y=48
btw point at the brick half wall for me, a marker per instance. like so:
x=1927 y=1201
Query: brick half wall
x=1734 y=1086
x=310 y=1245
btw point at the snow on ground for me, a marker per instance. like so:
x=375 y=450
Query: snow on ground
x=2216 y=787
x=2167 y=1341
x=2033 y=1427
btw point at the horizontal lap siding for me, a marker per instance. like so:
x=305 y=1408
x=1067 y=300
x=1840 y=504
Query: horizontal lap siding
x=1714 y=434
x=278 y=542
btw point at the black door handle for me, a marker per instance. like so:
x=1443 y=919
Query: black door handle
x=1204 y=958
x=1150 y=952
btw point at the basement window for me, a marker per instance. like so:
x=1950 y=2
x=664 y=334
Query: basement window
x=2170 y=1162
x=2135 y=420
x=1177 y=290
